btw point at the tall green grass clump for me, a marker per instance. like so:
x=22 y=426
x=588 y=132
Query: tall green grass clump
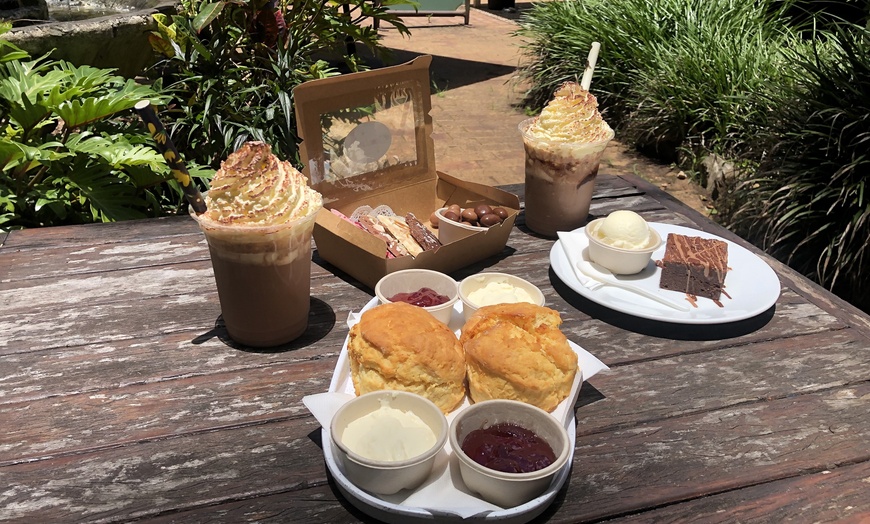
x=674 y=76
x=808 y=203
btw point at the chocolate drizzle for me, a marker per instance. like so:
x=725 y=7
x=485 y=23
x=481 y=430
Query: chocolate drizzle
x=694 y=265
x=421 y=233
x=711 y=254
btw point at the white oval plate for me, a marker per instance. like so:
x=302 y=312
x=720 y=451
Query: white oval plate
x=751 y=283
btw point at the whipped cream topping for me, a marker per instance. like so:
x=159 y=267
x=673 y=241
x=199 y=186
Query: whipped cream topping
x=571 y=117
x=254 y=188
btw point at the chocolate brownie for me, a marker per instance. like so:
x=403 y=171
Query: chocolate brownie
x=694 y=265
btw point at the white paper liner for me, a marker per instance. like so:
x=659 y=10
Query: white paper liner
x=382 y=209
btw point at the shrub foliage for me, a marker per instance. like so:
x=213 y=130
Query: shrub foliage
x=673 y=75
x=70 y=151
x=808 y=202
x=231 y=66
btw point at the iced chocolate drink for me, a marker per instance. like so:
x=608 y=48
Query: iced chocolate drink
x=258 y=223
x=563 y=148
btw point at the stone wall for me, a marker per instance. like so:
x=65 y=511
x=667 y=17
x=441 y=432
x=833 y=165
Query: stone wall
x=118 y=41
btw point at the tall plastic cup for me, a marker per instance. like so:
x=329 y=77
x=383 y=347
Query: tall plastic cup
x=560 y=179
x=263 y=277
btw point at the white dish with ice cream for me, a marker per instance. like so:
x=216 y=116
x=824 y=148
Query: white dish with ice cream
x=622 y=243
x=751 y=284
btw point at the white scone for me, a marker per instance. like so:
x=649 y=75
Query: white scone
x=398 y=346
x=516 y=352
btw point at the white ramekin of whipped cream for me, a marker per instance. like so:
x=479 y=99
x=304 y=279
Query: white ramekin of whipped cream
x=388 y=440
x=487 y=289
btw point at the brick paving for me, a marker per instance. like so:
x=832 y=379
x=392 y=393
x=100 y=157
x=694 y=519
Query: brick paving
x=476 y=105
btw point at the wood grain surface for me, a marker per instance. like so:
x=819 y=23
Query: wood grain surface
x=123 y=399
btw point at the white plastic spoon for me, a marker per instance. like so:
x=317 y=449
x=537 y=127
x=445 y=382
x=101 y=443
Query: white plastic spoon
x=606 y=277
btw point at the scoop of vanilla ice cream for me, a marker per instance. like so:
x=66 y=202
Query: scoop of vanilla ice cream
x=623 y=229
x=571 y=117
x=254 y=188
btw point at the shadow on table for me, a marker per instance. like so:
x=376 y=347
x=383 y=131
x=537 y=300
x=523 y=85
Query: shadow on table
x=660 y=328
x=458 y=274
x=321 y=319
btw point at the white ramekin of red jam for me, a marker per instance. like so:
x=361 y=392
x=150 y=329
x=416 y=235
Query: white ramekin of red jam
x=433 y=291
x=508 y=451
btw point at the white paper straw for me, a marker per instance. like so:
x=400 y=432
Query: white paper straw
x=590 y=66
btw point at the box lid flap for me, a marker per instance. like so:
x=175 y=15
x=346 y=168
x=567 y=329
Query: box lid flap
x=367 y=132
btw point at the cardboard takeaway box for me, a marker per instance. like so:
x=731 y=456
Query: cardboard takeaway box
x=366 y=141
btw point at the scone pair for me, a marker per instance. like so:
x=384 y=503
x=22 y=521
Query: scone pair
x=506 y=351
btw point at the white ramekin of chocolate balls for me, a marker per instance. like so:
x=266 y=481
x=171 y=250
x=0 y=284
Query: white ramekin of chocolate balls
x=455 y=222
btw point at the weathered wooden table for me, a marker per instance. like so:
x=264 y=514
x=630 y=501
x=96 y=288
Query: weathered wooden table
x=121 y=400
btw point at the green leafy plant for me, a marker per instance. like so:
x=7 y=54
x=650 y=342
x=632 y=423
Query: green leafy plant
x=232 y=65
x=68 y=153
x=808 y=203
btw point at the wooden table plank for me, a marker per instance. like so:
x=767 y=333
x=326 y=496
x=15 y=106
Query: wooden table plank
x=313 y=505
x=716 y=452
x=166 y=301
x=695 y=382
x=94 y=421
x=132 y=480
x=126 y=403
x=119 y=351
x=178 y=402
x=693 y=456
x=149 y=350
x=83 y=236
x=826 y=496
x=182 y=297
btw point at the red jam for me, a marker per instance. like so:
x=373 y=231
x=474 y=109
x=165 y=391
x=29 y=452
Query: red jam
x=423 y=297
x=509 y=448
